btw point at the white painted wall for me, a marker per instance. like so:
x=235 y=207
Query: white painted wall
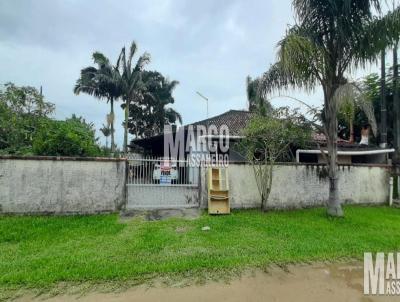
x=61 y=186
x=82 y=186
x=296 y=186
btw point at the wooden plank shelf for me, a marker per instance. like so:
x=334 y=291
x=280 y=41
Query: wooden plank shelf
x=218 y=191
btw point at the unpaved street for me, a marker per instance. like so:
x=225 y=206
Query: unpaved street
x=318 y=282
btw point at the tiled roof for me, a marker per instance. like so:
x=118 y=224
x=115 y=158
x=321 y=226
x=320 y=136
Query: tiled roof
x=320 y=138
x=236 y=120
x=343 y=145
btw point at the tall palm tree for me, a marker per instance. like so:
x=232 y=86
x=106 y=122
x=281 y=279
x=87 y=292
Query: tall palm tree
x=132 y=84
x=330 y=38
x=103 y=82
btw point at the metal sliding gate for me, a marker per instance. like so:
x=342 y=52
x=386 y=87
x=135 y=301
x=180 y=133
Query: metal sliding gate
x=154 y=183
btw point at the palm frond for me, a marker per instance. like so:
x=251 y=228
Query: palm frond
x=121 y=62
x=172 y=85
x=298 y=65
x=173 y=115
x=132 y=52
x=100 y=59
x=377 y=35
x=300 y=58
x=351 y=95
x=142 y=61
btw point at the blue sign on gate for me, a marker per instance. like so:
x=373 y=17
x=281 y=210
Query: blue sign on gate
x=165 y=179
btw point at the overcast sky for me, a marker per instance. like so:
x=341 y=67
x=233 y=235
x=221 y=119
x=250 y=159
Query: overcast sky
x=208 y=46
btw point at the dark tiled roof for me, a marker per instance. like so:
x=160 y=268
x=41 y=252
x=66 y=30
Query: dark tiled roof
x=236 y=120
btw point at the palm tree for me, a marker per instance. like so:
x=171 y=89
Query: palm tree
x=350 y=97
x=330 y=38
x=106 y=130
x=132 y=84
x=256 y=102
x=149 y=116
x=171 y=116
x=103 y=82
x=161 y=93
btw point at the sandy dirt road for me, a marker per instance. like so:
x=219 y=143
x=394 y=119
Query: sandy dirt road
x=318 y=282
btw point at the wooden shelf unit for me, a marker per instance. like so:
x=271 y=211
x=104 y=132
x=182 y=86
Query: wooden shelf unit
x=218 y=191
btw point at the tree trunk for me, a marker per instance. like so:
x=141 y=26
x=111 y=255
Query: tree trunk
x=396 y=105
x=126 y=127
x=383 y=137
x=268 y=186
x=351 y=138
x=112 y=125
x=334 y=206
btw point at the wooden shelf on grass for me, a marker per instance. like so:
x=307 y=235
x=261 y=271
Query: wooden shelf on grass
x=218 y=191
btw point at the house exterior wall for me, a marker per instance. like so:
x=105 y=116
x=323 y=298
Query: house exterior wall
x=61 y=186
x=298 y=186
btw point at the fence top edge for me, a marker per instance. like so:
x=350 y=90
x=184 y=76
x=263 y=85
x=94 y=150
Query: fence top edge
x=61 y=158
x=123 y=159
x=316 y=164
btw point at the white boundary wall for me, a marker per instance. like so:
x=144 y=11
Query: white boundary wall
x=298 y=186
x=61 y=186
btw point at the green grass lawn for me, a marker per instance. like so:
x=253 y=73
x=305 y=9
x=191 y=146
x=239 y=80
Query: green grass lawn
x=37 y=252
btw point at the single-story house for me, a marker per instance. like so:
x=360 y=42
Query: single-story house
x=237 y=120
x=233 y=120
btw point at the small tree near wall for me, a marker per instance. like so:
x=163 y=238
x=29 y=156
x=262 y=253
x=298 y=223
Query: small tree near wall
x=270 y=139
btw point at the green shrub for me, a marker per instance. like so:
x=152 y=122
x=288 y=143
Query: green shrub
x=72 y=137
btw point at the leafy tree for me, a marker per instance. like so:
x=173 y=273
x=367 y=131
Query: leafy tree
x=256 y=102
x=148 y=116
x=131 y=82
x=330 y=38
x=103 y=82
x=22 y=109
x=268 y=139
x=72 y=137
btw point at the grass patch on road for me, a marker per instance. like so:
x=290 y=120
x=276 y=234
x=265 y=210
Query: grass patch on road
x=40 y=252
